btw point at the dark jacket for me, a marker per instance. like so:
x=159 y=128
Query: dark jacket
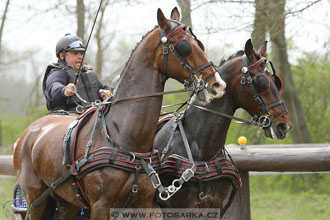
x=58 y=76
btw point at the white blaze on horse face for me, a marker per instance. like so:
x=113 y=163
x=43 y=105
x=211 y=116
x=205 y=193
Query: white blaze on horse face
x=216 y=91
x=272 y=133
x=219 y=87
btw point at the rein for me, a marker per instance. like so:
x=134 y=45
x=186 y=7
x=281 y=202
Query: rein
x=242 y=121
x=80 y=108
x=197 y=85
x=150 y=95
x=89 y=37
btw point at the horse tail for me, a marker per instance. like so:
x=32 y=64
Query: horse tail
x=50 y=209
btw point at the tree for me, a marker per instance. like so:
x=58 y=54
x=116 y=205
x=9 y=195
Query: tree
x=100 y=46
x=185 y=12
x=80 y=12
x=3 y=20
x=270 y=17
x=259 y=25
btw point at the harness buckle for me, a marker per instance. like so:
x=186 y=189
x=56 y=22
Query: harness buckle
x=258 y=100
x=202 y=196
x=165 y=49
x=155 y=181
x=171 y=47
x=135 y=188
x=187 y=67
x=243 y=80
x=188 y=173
x=186 y=84
x=249 y=79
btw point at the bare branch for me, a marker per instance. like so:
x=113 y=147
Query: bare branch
x=224 y=1
x=3 y=19
x=302 y=9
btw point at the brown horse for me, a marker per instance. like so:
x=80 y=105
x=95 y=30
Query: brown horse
x=205 y=128
x=131 y=124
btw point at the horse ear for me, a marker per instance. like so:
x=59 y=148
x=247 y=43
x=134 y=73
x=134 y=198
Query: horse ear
x=263 y=48
x=175 y=14
x=249 y=52
x=162 y=20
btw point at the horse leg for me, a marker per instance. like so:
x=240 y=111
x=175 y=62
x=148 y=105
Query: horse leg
x=32 y=187
x=100 y=211
x=31 y=194
x=66 y=210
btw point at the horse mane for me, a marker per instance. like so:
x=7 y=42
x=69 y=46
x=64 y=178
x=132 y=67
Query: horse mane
x=237 y=54
x=136 y=46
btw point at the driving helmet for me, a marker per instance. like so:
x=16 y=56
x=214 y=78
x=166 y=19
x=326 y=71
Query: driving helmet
x=69 y=43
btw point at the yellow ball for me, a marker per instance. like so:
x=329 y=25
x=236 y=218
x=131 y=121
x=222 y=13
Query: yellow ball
x=242 y=140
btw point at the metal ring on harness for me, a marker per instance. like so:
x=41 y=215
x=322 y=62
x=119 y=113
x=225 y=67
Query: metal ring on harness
x=163 y=197
x=79 y=109
x=177 y=184
x=171 y=188
x=98 y=102
x=198 y=84
x=133 y=158
x=265 y=121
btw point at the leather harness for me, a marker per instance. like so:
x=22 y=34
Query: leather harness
x=220 y=166
x=114 y=156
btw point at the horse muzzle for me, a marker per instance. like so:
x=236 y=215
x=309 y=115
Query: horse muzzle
x=277 y=131
x=214 y=90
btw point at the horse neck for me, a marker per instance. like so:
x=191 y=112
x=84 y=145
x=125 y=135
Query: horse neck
x=208 y=131
x=132 y=123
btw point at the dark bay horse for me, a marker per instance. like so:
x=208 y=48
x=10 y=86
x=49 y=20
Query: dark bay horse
x=206 y=132
x=130 y=123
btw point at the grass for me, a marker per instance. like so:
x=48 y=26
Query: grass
x=278 y=205
x=290 y=197
x=267 y=203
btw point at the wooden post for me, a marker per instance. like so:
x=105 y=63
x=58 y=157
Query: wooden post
x=0 y=133
x=282 y=158
x=240 y=207
x=6 y=165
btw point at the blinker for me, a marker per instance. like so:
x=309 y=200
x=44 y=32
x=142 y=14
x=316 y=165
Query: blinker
x=184 y=48
x=261 y=83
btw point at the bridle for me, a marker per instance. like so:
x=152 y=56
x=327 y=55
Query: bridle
x=262 y=117
x=189 y=85
x=198 y=84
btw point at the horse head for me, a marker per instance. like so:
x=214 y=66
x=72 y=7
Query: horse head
x=181 y=52
x=258 y=87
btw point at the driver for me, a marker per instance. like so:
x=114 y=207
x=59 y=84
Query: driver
x=58 y=82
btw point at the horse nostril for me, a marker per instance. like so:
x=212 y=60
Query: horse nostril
x=282 y=127
x=216 y=85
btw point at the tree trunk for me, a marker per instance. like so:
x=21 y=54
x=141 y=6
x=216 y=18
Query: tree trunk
x=270 y=17
x=259 y=26
x=276 y=24
x=185 y=12
x=3 y=19
x=100 y=45
x=1 y=143
x=80 y=11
